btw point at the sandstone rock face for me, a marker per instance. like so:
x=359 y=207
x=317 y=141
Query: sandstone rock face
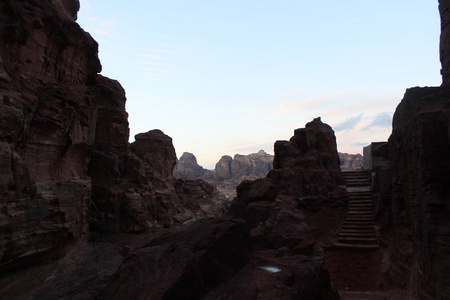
x=223 y=168
x=299 y=204
x=415 y=225
x=351 y=162
x=255 y=164
x=188 y=167
x=157 y=151
x=48 y=87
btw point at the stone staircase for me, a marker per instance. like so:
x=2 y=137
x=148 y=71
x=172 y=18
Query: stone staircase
x=358 y=232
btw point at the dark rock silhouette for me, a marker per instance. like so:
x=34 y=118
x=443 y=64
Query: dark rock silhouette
x=444 y=10
x=413 y=197
x=282 y=209
x=413 y=188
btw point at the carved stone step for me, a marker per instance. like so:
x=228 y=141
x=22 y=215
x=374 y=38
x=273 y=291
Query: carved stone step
x=358 y=240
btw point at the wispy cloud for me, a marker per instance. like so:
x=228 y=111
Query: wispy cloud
x=154 y=63
x=299 y=105
x=152 y=56
x=360 y=144
x=150 y=63
x=381 y=120
x=348 y=124
x=155 y=74
x=153 y=69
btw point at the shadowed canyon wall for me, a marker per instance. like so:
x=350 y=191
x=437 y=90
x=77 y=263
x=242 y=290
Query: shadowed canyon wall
x=65 y=162
x=414 y=191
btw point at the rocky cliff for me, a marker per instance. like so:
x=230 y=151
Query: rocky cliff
x=66 y=165
x=414 y=188
x=414 y=195
x=48 y=116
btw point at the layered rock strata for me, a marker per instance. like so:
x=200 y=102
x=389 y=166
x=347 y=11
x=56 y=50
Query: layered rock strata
x=48 y=115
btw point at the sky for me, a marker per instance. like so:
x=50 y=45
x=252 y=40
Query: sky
x=226 y=77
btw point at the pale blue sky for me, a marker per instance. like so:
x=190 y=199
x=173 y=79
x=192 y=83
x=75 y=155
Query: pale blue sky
x=227 y=77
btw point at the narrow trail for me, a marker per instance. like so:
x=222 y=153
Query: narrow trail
x=358 y=232
x=354 y=262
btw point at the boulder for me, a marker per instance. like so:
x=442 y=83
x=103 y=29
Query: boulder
x=184 y=264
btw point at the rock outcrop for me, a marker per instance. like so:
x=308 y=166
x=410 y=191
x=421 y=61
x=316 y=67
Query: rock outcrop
x=241 y=166
x=297 y=206
x=188 y=167
x=351 y=162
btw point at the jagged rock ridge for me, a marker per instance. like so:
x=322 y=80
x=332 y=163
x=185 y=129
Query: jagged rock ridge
x=228 y=172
